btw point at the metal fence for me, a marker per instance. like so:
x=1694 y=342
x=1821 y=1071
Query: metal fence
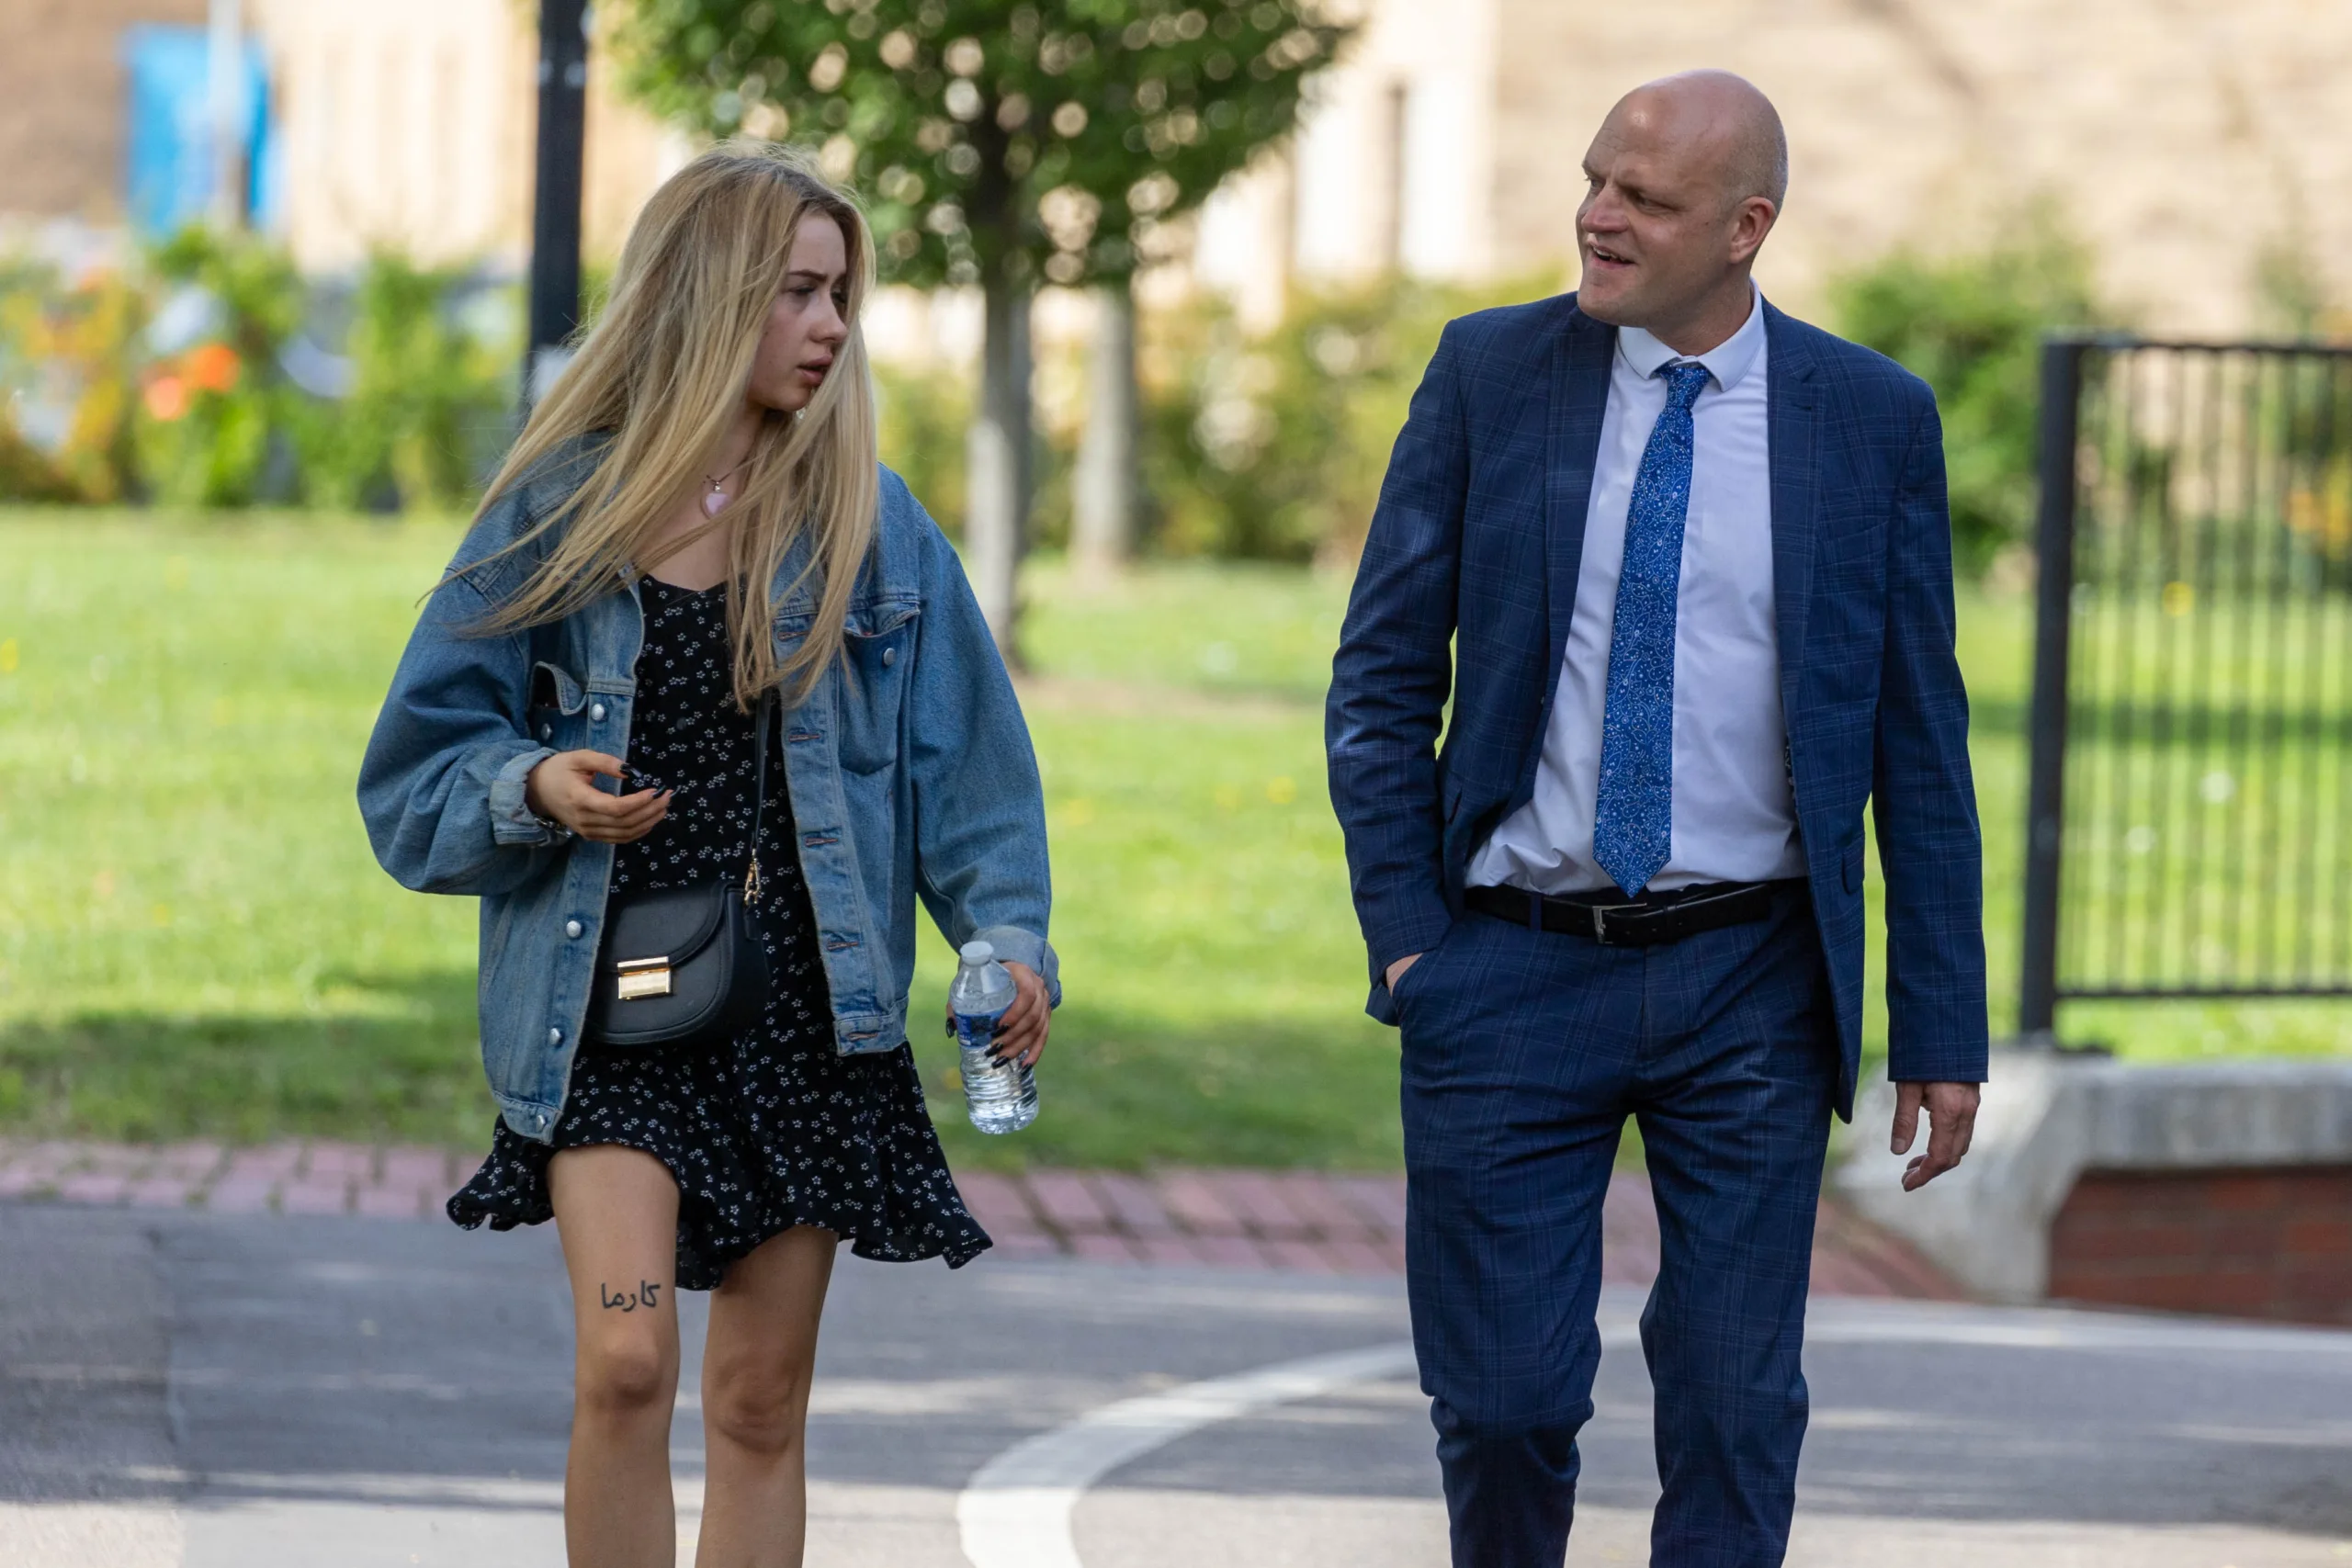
x=2189 y=815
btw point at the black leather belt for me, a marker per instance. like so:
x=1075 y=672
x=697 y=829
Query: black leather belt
x=1613 y=921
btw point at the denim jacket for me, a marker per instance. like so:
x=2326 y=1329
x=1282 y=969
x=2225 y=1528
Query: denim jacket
x=909 y=771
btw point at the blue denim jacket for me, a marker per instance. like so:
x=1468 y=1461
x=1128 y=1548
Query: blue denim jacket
x=909 y=772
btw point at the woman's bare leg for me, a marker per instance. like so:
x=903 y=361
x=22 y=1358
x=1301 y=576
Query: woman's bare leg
x=617 y=1211
x=755 y=1370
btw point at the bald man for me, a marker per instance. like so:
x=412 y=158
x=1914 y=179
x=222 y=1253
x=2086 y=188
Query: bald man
x=1682 y=565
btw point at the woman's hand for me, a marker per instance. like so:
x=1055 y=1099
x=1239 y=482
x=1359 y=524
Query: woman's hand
x=563 y=789
x=1021 y=1033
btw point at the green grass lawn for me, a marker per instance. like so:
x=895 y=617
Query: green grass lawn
x=194 y=938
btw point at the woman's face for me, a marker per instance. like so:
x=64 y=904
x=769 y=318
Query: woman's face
x=806 y=326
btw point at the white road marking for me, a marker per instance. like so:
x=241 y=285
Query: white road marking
x=1015 y=1511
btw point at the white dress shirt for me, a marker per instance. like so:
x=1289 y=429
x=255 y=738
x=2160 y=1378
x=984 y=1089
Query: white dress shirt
x=1733 y=819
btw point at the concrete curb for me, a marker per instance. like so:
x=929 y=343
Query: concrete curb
x=2047 y=1119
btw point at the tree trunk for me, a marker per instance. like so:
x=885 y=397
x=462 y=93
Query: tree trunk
x=997 y=456
x=1108 y=485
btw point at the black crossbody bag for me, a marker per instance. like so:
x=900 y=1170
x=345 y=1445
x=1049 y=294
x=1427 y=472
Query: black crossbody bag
x=684 y=969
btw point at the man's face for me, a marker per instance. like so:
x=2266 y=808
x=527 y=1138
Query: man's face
x=1656 y=228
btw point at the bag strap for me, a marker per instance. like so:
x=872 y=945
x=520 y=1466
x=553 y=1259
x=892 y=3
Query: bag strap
x=758 y=794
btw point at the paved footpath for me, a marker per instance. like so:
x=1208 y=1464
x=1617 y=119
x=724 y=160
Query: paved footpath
x=182 y=1387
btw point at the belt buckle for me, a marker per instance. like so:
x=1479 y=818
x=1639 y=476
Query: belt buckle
x=1601 y=921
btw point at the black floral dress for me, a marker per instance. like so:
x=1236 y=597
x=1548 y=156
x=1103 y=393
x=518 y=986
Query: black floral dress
x=778 y=1129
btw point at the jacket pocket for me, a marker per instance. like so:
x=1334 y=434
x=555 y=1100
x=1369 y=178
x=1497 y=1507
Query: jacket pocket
x=877 y=655
x=557 y=695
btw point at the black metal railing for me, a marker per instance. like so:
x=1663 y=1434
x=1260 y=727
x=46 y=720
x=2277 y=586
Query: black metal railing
x=2189 y=803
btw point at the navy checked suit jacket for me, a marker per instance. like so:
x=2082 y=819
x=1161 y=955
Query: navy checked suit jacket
x=1467 y=582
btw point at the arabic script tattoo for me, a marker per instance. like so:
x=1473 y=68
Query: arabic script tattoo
x=646 y=1295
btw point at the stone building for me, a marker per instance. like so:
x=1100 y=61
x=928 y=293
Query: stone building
x=2188 y=142
x=407 y=125
x=64 y=124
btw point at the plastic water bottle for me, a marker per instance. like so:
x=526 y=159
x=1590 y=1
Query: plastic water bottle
x=1000 y=1096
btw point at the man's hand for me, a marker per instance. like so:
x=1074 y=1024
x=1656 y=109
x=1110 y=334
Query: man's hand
x=1397 y=970
x=1952 y=1118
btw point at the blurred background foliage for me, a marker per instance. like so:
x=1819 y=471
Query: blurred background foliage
x=431 y=357
x=1970 y=325
x=67 y=382
x=215 y=407
x=923 y=418
x=210 y=373
x=1273 y=448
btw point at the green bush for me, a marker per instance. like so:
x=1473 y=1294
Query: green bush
x=1253 y=447
x=1970 y=326
x=211 y=412
x=1273 y=448
x=169 y=382
x=925 y=412
x=28 y=473
x=430 y=398
x=67 y=383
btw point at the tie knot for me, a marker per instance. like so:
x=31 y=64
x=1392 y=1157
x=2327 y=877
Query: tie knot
x=1683 y=382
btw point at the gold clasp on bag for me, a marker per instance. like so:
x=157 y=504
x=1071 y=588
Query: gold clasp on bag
x=642 y=978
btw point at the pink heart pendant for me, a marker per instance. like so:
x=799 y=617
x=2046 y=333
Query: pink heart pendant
x=713 y=502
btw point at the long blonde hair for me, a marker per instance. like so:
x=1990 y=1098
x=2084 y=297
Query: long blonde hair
x=661 y=374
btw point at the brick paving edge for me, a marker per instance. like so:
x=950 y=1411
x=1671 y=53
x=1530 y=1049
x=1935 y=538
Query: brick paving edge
x=1303 y=1221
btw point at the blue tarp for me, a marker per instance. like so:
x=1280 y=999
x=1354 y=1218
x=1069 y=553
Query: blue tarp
x=171 y=130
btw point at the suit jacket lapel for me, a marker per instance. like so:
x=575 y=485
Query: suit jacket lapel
x=1580 y=397
x=1792 y=423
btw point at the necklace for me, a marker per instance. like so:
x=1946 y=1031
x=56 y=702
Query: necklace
x=716 y=499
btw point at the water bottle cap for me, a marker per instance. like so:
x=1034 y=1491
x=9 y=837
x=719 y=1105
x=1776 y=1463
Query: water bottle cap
x=978 y=952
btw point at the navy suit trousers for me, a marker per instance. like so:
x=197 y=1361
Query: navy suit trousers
x=1524 y=1053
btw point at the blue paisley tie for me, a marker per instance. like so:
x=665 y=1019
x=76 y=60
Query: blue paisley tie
x=1633 y=829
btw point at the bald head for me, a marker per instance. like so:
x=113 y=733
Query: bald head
x=1724 y=120
x=1685 y=179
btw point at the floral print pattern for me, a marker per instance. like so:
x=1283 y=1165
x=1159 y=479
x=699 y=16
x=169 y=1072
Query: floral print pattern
x=777 y=1129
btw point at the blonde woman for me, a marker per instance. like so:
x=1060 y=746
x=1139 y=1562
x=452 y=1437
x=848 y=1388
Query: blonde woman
x=695 y=520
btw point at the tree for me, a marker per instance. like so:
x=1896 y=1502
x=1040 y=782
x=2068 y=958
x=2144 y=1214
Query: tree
x=1106 y=488
x=1001 y=143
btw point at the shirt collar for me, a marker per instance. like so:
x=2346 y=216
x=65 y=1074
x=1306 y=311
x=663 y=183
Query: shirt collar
x=1726 y=362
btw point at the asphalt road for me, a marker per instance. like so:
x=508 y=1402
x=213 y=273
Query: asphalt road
x=257 y=1390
